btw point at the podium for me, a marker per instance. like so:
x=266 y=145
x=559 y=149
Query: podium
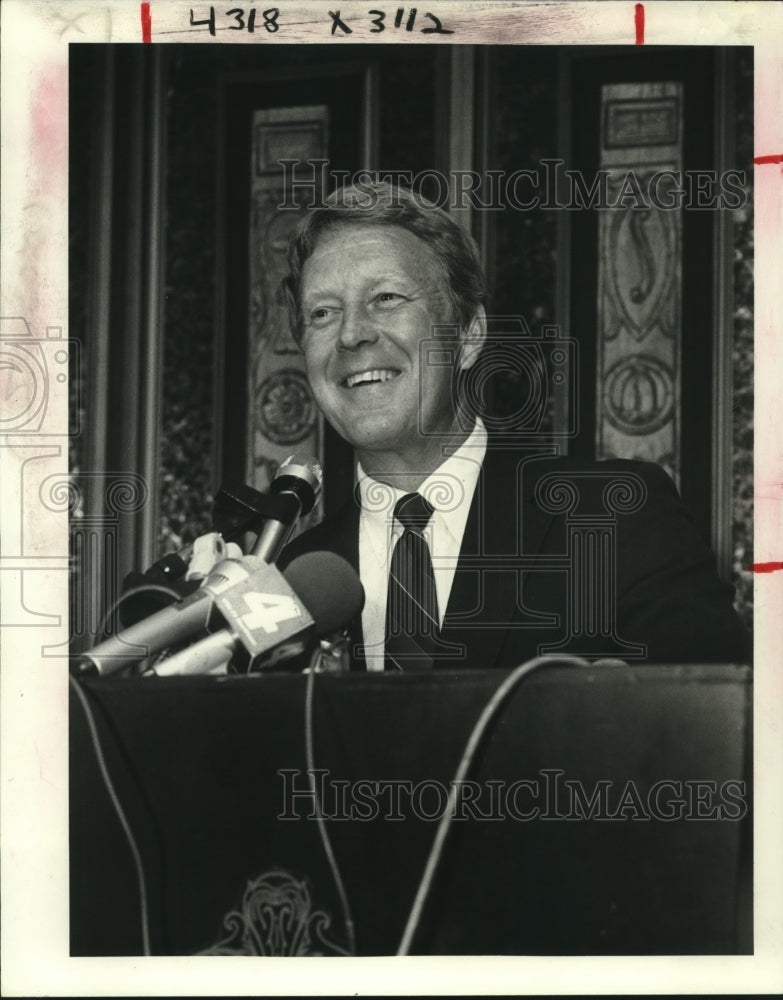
x=608 y=814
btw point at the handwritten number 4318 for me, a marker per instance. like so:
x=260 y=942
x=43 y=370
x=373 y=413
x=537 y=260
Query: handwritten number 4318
x=246 y=20
x=270 y=22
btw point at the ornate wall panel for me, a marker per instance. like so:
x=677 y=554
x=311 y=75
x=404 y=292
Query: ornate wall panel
x=640 y=276
x=282 y=416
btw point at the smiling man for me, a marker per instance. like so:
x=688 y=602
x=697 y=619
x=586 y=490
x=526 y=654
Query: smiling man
x=459 y=538
x=370 y=295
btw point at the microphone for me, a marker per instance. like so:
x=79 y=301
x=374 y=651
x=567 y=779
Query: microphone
x=294 y=490
x=297 y=487
x=318 y=594
x=173 y=624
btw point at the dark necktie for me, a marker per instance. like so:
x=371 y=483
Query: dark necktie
x=412 y=602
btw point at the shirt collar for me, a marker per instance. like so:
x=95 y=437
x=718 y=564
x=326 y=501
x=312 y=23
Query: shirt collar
x=449 y=488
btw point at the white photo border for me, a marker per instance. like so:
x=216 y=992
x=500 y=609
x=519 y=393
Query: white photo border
x=34 y=284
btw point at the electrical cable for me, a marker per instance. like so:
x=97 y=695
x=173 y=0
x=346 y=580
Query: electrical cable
x=320 y=821
x=147 y=588
x=427 y=880
x=476 y=735
x=138 y=864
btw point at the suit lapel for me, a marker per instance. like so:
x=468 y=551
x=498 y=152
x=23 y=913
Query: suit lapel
x=504 y=521
x=344 y=534
x=348 y=539
x=341 y=533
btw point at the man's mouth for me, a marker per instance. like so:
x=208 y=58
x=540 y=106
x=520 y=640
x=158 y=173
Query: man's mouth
x=370 y=377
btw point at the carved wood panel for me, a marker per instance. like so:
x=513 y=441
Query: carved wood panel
x=638 y=393
x=282 y=415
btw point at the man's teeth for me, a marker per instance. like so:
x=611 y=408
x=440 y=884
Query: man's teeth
x=374 y=375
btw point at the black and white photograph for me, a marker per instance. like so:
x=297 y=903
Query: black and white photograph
x=391 y=498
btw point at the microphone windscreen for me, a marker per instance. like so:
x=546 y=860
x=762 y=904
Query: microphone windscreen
x=328 y=587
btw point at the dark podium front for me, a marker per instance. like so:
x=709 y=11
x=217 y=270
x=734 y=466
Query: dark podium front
x=608 y=814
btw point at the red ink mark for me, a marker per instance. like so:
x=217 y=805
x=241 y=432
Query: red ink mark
x=48 y=130
x=772 y=158
x=146 y=24
x=638 y=20
x=767 y=567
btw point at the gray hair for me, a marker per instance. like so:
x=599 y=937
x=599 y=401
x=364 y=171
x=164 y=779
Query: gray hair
x=385 y=204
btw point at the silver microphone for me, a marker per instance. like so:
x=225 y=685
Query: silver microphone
x=298 y=483
x=171 y=625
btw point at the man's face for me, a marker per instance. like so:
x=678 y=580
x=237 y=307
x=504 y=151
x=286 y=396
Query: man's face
x=369 y=295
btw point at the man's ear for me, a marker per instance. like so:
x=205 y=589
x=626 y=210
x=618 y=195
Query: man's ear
x=472 y=339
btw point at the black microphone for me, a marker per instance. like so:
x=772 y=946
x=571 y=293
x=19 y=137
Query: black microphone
x=173 y=624
x=318 y=594
x=298 y=485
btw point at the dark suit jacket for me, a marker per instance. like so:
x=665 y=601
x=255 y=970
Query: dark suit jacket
x=593 y=559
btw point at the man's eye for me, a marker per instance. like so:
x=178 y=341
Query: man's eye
x=389 y=299
x=320 y=315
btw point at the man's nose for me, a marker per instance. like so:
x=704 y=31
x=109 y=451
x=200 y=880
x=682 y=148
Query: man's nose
x=357 y=327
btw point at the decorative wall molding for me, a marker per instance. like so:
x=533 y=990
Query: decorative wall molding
x=639 y=279
x=282 y=416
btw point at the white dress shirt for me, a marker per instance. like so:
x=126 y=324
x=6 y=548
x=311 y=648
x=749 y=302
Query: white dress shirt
x=449 y=489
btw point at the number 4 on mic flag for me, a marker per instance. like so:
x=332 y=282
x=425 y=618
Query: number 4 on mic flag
x=263 y=611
